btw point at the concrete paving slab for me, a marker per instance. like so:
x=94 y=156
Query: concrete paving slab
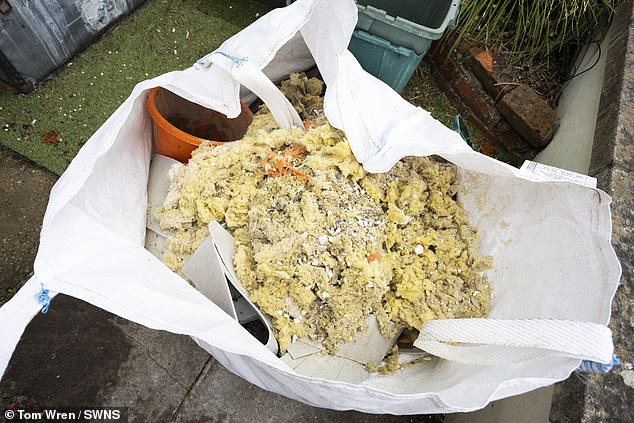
x=65 y=356
x=531 y=407
x=154 y=379
x=77 y=354
x=610 y=397
x=23 y=197
x=220 y=396
x=568 y=397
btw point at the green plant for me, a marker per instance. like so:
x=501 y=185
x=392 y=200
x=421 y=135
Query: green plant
x=534 y=29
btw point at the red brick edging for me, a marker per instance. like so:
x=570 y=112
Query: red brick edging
x=513 y=116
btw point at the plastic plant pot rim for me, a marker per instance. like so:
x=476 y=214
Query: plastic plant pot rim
x=158 y=118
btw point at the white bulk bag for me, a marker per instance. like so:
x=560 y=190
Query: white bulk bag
x=555 y=271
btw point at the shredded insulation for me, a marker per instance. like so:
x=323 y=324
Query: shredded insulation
x=321 y=243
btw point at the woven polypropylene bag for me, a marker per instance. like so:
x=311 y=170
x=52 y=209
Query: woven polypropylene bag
x=550 y=240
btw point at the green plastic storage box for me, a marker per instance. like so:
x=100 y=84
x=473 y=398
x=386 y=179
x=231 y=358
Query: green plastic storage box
x=392 y=64
x=408 y=23
x=392 y=36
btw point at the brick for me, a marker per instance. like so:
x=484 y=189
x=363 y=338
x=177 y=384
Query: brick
x=482 y=127
x=485 y=67
x=529 y=115
x=443 y=58
x=445 y=65
x=470 y=97
x=477 y=99
x=511 y=140
x=446 y=87
x=462 y=47
x=482 y=58
x=487 y=148
x=459 y=87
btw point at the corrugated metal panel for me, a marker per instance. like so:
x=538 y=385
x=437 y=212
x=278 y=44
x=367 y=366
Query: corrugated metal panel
x=37 y=37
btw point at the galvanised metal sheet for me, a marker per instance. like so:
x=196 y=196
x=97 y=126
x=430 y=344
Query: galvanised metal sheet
x=37 y=37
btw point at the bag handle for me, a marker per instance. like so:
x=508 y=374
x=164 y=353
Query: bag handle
x=488 y=342
x=16 y=314
x=252 y=78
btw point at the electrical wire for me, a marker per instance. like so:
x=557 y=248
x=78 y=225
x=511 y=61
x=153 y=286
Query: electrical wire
x=597 y=41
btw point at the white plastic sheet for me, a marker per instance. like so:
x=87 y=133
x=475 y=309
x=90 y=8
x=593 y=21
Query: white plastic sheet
x=550 y=240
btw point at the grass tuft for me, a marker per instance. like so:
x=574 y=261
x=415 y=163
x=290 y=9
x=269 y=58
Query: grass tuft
x=536 y=29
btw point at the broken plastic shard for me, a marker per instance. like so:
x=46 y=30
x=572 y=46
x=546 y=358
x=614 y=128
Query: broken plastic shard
x=290 y=361
x=223 y=242
x=205 y=271
x=330 y=367
x=300 y=348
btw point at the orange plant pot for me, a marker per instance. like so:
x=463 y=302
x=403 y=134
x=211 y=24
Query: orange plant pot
x=180 y=126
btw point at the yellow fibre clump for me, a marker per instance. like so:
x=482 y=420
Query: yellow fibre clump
x=320 y=243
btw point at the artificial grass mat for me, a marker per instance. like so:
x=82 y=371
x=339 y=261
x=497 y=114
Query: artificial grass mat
x=50 y=125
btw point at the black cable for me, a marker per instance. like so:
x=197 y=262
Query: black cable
x=587 y=69
x=601 y=36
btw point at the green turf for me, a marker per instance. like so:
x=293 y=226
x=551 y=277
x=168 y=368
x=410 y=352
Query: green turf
x=77 y=100
x=151 y=41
